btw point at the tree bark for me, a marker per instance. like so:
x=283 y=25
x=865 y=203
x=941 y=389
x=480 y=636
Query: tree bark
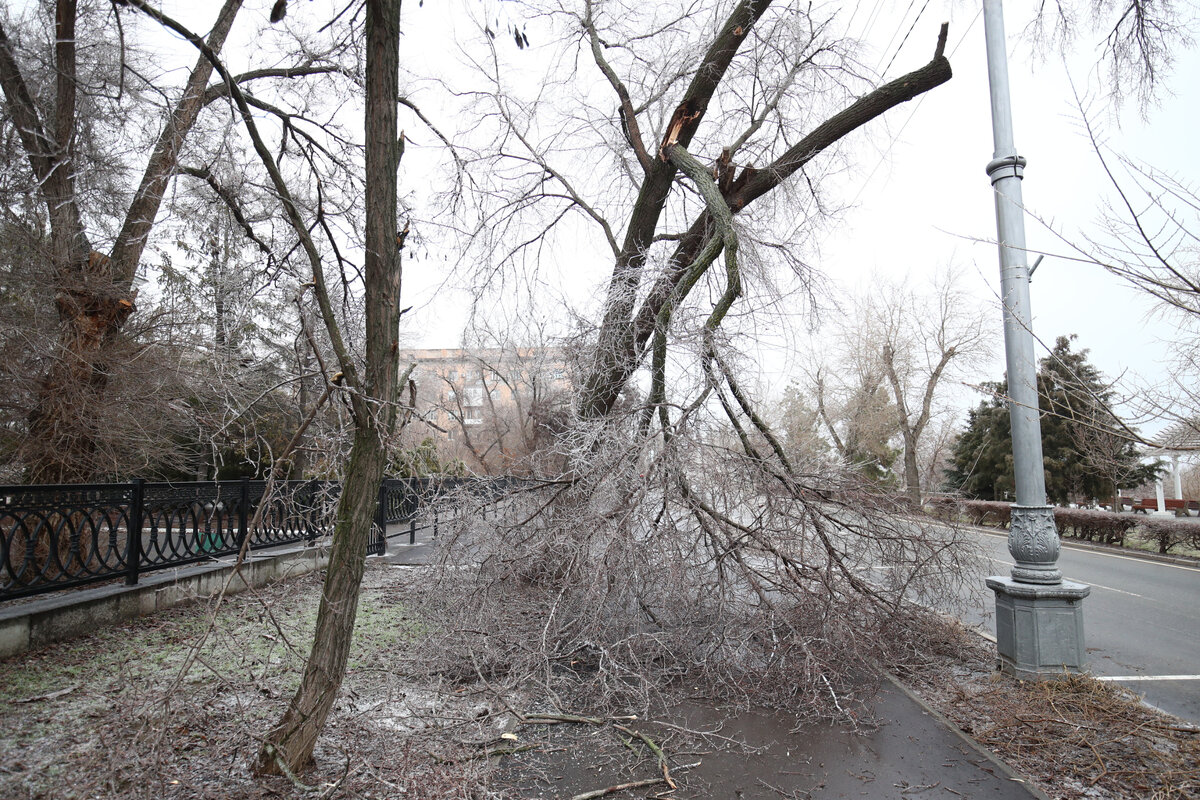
x=289 y=746
x=911 y=430
x=598 y=396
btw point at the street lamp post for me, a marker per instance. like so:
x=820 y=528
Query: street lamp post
x=1039 y=616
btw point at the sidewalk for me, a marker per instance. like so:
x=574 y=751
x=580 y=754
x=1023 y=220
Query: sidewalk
x=915 y=753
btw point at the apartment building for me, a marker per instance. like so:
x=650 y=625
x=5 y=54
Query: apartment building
x=493 y=408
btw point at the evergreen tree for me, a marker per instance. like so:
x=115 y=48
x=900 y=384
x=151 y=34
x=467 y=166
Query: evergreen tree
x=981 y=465
x=1087 y=452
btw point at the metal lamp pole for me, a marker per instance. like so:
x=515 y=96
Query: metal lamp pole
x=1039 y=616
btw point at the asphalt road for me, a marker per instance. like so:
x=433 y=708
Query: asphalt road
x=1141 y=621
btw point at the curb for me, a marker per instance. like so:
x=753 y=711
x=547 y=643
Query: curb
x=1001 y=766
x=1142 y=555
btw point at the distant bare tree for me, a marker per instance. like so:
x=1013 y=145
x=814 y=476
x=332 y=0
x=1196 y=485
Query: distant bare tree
x=852 y=401
x=508 y=405
x=1109 y=453
x=925 y=339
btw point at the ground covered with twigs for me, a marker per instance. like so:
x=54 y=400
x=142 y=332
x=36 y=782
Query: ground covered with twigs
x=173 y=706
x=1076 y=737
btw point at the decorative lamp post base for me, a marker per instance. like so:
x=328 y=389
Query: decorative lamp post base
x=1039 y=628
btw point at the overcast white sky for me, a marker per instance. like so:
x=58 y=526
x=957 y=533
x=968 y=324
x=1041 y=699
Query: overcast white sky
x=921 y=199
x=930 y=199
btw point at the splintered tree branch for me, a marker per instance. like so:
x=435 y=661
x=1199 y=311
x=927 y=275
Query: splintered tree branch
x=625 y=336
x=598 y=395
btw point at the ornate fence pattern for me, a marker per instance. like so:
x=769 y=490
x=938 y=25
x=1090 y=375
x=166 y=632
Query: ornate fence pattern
x=55 y=537
x=58 y=537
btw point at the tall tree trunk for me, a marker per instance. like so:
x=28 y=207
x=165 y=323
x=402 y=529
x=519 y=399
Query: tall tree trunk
x=912 y=475
x=290 y=745
x=292 y=741
x=93 y=294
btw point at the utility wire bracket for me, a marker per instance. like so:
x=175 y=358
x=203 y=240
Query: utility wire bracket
x=1035 y=266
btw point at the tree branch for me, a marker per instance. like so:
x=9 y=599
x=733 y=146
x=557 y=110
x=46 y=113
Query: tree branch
x=598 y=395
x=139 y=219
x=602 y=389
x=628 y=115
x=345 y=361
x=230 y=200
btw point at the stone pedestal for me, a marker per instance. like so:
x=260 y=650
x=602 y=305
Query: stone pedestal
x=1039 y=628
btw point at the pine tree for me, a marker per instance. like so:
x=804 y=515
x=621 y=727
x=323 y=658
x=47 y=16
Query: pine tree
x=1087 y=451
x=981 y=465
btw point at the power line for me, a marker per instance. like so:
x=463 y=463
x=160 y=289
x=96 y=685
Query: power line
x=872 y=18
x=905 y=39
x=899 y=25
x=916 y=108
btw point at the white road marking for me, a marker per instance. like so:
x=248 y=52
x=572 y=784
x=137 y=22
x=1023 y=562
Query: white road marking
x=1147 y=677
x=1102 y=586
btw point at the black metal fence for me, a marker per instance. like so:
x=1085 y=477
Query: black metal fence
x=58 y=537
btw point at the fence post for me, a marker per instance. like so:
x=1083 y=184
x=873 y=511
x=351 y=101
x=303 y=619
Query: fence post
x=310 y=516
x=133 y=539
x=243 y=514
x=381 y=515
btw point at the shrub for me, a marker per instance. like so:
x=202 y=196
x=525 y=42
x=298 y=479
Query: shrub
x=988 y=512
x=975 y=512
x=1168 y=533
x=944 y=507
x=1093 y=526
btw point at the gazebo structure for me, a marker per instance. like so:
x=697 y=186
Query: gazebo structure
x=1182 y=437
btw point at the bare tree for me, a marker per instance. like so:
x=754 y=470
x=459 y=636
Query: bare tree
x=80 y=124
x=1110 y=454
x=94 y=292
x=853 y=406
x=925 y=338
x=1138 y=39
x=373 y=392
x=505 y=404
x=367 y=379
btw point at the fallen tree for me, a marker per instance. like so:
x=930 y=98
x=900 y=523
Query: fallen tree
x=684 y=539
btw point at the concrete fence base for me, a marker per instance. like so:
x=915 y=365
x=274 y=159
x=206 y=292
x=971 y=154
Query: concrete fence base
x=67 y=614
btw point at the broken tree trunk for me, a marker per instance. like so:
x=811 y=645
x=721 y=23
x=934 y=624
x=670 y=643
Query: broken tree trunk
x=624 y=334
